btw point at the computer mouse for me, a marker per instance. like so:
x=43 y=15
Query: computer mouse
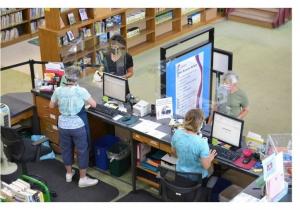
x=247 y=160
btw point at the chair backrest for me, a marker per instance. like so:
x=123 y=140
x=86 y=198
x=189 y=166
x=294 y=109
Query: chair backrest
x=13 y=144
x=180 y=186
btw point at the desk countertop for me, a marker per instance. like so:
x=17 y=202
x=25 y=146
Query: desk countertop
x=18 y=102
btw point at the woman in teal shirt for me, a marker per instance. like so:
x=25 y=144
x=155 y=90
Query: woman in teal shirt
x=191 y=149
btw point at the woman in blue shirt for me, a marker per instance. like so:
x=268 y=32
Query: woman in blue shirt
x=191 y=149
x=72 y=124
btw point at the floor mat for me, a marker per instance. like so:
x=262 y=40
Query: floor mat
x=35 y=41
x=53 y=172
x=139 y=196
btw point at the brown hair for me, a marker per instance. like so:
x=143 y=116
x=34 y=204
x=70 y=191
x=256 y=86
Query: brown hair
x=193 y=119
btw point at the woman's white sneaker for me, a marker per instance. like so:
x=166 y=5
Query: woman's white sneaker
x=87 y=182
x=70 y=176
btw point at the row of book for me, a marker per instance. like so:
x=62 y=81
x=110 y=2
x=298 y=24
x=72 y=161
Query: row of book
x=34 y=25
x=11 y=19
x=133 y=32
x=10 y=34
x=164 y=17
x=135 y=16
x=36 y=13
x=4 y=11
x=194 y=18
x=184 y=11
x=20 y=191
x=160 y=10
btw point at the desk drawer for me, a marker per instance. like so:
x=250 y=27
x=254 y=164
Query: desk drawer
x=165 y=148
x=146 y=140
x=44 y=111
x=49 y=130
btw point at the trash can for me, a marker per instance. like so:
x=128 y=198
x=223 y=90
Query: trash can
x=101 y=145
x=229 y=193
x=119 y=156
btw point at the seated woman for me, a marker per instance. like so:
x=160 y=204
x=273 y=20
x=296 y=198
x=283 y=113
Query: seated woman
x=191 y=149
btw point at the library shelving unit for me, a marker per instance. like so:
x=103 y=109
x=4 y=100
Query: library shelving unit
x=19 y=24
x=143 y=28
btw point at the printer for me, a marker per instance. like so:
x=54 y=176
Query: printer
x=141 y=108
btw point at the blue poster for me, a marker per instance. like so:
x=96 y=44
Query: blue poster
x=188 y=79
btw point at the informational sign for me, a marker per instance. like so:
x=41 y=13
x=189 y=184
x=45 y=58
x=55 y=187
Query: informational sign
x=164 y=108
x=188 y=80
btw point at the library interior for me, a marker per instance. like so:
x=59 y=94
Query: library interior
x=146 y=105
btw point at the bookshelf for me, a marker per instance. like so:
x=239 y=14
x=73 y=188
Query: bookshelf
x=19 y=24
x=143 y=28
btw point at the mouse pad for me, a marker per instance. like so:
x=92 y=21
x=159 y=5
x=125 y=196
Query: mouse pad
x=128 y=120
x=239 y=163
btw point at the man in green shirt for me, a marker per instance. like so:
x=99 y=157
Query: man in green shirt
x=230 y=99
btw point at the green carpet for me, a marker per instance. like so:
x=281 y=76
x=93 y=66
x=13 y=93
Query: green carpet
x=14 y=81
x=35 y=41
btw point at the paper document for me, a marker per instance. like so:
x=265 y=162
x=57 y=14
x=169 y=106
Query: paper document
x=117 y=117
x=244 y=197
x=146 y=126
x=169 y=159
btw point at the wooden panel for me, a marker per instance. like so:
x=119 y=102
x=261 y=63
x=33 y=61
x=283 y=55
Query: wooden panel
x=147 y=181
x=99 y=128
x=146 y=140
x=165 y=147
x=45 y=112
x=52 y=18
x=49 y=46
x=49 y=130
x=210 y=14
x=24 y=116
x=56 y=148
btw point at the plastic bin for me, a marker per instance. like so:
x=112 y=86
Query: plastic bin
x=119 y=156
x=101 y=145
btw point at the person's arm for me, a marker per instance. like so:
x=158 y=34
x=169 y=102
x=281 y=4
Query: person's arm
x=173 y=151
x=129 y=73
x=214 y=108
x=243 y=113
x=53 y=101
x=92 y=102
x=52 y=104
x=206 y=161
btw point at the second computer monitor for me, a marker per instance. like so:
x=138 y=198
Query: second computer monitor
x=227 y=129
x=114 y=87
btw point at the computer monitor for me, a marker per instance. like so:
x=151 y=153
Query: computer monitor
x=227 y=129
x=114 y=87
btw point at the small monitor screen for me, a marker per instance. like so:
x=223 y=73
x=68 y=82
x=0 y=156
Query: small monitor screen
x=114 y=87
x=227 y=129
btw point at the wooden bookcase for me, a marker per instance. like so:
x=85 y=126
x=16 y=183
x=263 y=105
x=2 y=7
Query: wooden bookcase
x=23 y=26
x=156 y=26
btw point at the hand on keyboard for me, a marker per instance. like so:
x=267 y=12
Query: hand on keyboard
x=212 y=154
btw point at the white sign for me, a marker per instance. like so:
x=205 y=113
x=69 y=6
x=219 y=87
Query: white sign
x=189 y=84
x=164 y=108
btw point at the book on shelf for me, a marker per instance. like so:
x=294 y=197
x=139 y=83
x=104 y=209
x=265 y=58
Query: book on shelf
x=135 y=16
x=83 y=14
x=86 y=32
x=99 y=27
x=70 y=36
x=164 y=17
x=10 y=34
x=133 y=32
x=36 y=12
x=11 y=19
x=194 y=18
x=71 y=18
x=64 y=40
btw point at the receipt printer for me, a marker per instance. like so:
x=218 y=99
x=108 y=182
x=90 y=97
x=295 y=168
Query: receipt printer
x=142 y=108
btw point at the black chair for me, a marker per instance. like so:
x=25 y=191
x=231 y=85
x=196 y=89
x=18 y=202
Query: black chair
x=182 y=187
x=22 y=150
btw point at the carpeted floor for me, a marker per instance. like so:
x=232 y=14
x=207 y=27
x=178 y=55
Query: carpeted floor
x=53 y=171
x=13 y=81
x=34 y=42
x=139 y=196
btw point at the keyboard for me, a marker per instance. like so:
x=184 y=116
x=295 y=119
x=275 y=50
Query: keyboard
x=225 y=154
x=106 y=111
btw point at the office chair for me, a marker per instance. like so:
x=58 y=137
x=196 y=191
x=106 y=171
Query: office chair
x=180 y=186
x=22 y=150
